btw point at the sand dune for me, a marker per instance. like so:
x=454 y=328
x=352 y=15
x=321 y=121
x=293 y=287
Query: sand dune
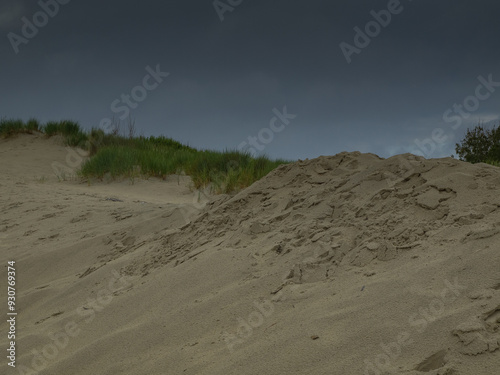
x=345 y=264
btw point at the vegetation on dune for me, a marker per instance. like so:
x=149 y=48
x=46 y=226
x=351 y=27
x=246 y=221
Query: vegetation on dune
x=480 y=145
x=9 y=128
x=119 y=156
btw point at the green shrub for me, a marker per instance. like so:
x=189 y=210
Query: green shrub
x=479 y=145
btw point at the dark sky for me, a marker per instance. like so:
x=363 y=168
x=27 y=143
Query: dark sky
x=228 y=78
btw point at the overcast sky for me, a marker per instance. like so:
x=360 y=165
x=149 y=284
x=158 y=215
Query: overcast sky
x=300 y=78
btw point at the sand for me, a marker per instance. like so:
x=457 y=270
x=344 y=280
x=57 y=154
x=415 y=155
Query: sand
x=345 y=264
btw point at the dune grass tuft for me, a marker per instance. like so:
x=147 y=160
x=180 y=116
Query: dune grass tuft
x=9 y=128
x=118 y=156
x=225 y=171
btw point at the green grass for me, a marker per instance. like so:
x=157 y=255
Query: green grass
x=118 y=156
x=33 y=125
x=225 y=171
x=70 y=130
x=9 y=128
x=493 y=162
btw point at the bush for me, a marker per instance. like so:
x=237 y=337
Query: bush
x=480 y=145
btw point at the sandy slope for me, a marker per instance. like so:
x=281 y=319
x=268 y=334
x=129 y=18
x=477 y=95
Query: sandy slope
x=348 y=264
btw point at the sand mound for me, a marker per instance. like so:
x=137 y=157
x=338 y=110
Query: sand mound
x=348 y=264
x=313 y=221
x=350 y=209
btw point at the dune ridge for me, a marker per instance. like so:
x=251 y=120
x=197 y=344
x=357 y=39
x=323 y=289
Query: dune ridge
x=344 y=264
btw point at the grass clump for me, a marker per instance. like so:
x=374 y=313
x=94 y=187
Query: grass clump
x=118 y=156
x=66 y=128
x=33 y=125
x=228 y=171
x=9 y=128
x=225 y=171
x=70 y=130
